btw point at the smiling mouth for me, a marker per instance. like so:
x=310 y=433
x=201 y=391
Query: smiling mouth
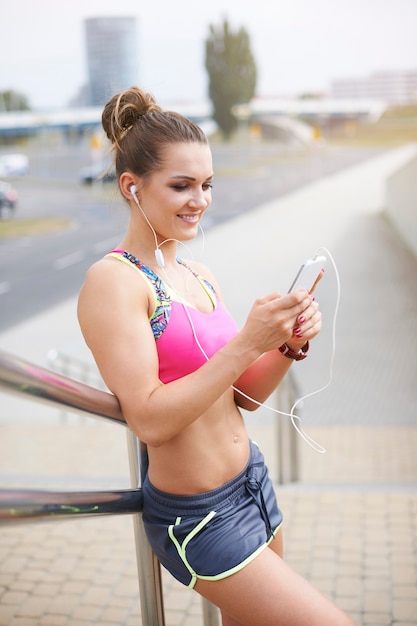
x=190 y=218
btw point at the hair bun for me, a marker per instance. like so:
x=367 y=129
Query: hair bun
x=123 y=110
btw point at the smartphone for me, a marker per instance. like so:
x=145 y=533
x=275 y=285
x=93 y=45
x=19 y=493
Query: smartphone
x=308 y=274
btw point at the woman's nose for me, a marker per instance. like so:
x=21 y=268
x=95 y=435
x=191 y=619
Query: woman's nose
x=199 y=200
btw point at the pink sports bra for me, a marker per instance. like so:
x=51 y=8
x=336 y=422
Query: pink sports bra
x=180 y=329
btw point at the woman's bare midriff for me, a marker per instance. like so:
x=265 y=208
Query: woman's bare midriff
x=210 y=452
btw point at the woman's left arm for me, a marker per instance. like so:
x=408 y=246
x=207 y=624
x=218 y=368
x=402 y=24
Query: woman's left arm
x=266 y=373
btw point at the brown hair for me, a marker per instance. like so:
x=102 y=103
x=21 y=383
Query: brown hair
x=139 y=130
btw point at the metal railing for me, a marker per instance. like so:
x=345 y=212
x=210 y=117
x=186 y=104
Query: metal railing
x=287 y=440
x=75 y=368
x=21 y=377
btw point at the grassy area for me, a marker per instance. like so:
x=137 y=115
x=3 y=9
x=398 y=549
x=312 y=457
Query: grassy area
x=10 y=228
x=398 y=125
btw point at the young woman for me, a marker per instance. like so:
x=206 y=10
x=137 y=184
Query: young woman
x=168 y=349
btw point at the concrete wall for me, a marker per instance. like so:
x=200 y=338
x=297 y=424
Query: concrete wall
x=401 y=198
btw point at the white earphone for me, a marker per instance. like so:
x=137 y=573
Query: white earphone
x=159 y=257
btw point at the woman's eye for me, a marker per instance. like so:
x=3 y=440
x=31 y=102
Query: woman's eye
x=184 y=187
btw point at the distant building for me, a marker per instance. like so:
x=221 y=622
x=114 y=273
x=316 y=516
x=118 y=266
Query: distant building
x=112 y=57
x=394 y=87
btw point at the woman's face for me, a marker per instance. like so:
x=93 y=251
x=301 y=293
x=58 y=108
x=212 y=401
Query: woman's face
x=176 y=196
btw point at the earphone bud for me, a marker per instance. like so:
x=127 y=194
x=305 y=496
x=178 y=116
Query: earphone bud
x=159 y=257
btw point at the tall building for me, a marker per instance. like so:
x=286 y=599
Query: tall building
x=112 y=56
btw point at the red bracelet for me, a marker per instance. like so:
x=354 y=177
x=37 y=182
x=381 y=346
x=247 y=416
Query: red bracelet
x=290 y=354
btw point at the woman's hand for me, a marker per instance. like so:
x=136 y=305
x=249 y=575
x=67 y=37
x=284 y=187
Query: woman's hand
x=308 y=325
x=274 y=319
x=293 y=319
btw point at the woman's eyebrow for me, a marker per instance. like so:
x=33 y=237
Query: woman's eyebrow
x=184 y=176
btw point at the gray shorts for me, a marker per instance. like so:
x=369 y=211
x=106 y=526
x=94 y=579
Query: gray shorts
x=214 y=534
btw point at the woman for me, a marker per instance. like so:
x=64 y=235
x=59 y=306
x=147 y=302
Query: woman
x=180 y=368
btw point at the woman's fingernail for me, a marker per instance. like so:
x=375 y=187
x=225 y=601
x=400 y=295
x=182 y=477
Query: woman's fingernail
x=297 y=332
x=301 y=319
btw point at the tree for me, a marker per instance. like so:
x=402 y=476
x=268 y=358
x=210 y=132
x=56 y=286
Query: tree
x=13 y=101
x=232 y=73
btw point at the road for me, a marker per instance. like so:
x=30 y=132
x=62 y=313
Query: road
x=39 y=271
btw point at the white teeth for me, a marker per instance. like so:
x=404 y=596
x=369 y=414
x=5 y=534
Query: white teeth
x=189 y=218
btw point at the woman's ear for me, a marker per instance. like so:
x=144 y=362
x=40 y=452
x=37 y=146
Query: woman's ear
x=126 y=181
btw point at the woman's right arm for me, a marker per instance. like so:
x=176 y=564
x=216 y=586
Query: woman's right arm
x=113 y=313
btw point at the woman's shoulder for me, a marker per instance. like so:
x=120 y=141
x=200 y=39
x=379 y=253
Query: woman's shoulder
x=112 y=267
x=110 y=281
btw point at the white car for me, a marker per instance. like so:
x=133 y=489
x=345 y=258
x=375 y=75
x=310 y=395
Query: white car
x=98 y=172
x=14 y=164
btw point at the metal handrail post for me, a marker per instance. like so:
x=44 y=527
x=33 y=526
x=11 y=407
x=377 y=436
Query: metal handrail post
x=287 y=447
x=149 y=569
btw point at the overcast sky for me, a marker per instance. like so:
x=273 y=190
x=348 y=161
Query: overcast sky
x=299 y=45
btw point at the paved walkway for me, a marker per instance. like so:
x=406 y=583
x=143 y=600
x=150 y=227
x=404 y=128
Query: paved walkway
x=351 y=518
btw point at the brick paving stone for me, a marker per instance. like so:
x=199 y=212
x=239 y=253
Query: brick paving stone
x=405 y=575
x=33 y=606
x=192 y=620
x=376 y=602
x=12 y=565
x=377 y=619
x=71 y=587
x=7 y=613
x=348 y=587
x=19 y=585
x=126 y=586
x=95 y=595
x=405 y=610
x=63 y=604
x=114 y=615
x=403 y=591
x=14 y=597
x=53 y=620
x=86 y=612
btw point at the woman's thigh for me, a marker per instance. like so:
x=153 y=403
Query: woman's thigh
x=269 y=592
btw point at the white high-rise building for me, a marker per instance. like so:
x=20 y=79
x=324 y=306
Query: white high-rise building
x=112 y=56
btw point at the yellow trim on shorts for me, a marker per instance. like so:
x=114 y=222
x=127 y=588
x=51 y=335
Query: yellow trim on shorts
x=181 y=549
